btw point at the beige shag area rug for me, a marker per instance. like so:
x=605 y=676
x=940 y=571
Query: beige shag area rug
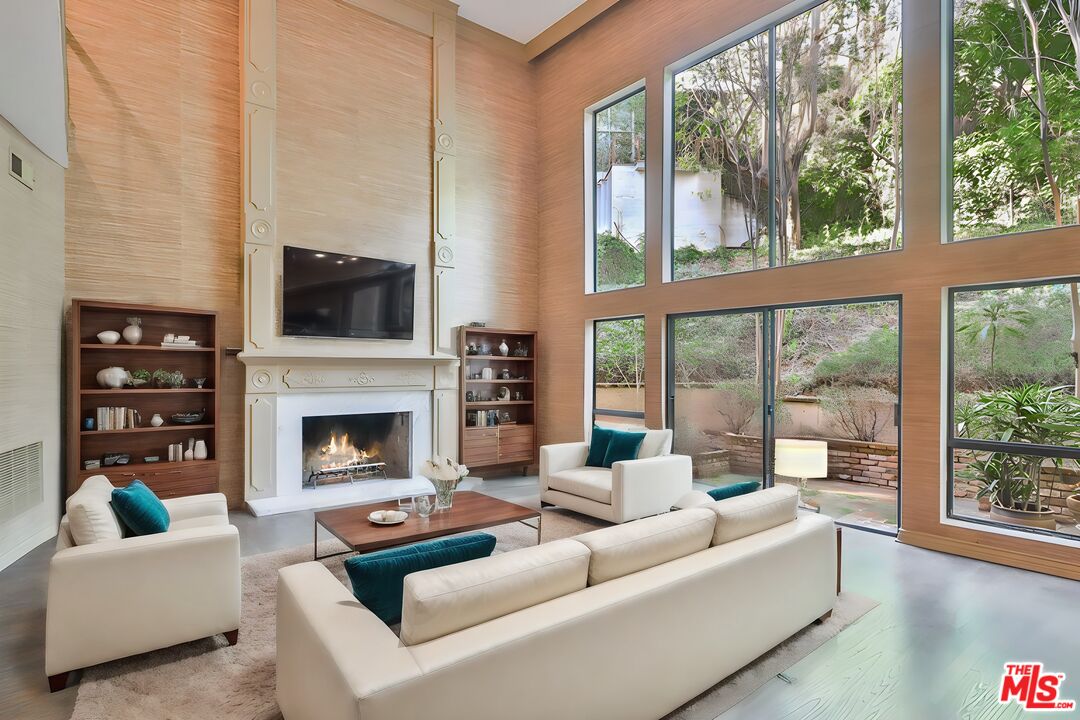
x=208 y=679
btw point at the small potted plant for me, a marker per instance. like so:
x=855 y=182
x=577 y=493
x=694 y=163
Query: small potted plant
x=168 y=378
x=140 y=377
x=445 y=475
x=1032 y=414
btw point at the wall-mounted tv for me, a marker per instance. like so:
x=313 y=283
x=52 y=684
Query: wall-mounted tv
x=327 y=294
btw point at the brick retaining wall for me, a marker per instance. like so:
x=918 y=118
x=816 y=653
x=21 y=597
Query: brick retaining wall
x=870 y=463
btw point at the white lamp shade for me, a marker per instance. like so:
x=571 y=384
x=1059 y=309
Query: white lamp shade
x=801 y=458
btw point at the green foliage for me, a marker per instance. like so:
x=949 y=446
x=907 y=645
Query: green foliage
x=619 y=263
x=871 y=363
x=620 y=352
x=1034 y=414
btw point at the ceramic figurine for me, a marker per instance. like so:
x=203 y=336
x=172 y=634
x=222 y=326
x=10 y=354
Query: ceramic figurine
x=133 y=332
x=189 y=454
x=113 y=378
x=504 y=349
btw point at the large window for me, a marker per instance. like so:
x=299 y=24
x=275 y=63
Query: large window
x=1014 y=444
x=1015 y=126
x=618 y=194
x=830 y=78
x=739 y=382
x=619 y=370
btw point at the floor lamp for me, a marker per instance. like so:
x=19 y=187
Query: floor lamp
x=802 y=459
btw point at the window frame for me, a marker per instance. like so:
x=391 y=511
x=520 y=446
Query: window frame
x=634 y=414
x=768 y=24
x=948 y=139
x=591 y=266
x=951 y=443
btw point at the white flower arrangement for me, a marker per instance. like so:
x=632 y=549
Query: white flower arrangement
x=444 y=474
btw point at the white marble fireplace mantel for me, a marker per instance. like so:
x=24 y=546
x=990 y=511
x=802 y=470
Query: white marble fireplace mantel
x=283 y=385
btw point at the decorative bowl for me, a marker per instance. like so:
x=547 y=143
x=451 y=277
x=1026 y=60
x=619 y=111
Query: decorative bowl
x=188 y=418
x=388 y=517
x=108 y=337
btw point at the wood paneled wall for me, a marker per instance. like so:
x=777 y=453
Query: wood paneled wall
x=154 y=185
x=497 y=179
x=154 y=182
x=636 y=39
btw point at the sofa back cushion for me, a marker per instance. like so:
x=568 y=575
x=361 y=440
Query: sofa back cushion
x=378 y=578
x=444 y=600
x=633 y=546
x=745 y=515
x=89 y=512
x=656 y=443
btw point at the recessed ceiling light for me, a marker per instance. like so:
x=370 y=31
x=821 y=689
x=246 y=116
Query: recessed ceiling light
x=353 y=259
x=320 y=255
x=340 y=262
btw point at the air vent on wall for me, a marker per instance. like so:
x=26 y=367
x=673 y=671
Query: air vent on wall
x=21 y=483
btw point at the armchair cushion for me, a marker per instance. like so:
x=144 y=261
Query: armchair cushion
x=598 y=446
x=588 y=482
x=378 y=578
x=622 y=446
x=90 y=515
x=139 y=509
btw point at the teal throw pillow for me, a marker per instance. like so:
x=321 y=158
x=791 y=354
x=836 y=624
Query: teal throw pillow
x=623 y=446
x=598 y=445
x=378 y=578
x=734 y=489
x=139 y=509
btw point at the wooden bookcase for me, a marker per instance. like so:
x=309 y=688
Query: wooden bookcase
x=88 y=355
x=511 y=439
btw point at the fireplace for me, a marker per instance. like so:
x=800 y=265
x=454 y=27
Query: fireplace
x=346 y=448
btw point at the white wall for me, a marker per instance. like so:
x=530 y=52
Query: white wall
x=31 y=311
x=32 y=80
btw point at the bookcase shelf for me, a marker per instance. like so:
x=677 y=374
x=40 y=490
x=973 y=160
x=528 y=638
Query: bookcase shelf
x=498 y=432
x=86 y=397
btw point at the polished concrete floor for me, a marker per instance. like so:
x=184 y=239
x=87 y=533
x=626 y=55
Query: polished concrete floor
x=932 y=650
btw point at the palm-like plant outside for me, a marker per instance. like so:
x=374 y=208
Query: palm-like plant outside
x=994 y=318
x=1033 y=414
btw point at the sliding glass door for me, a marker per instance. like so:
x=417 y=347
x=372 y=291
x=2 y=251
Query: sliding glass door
x=717 y=394
x=739 y=381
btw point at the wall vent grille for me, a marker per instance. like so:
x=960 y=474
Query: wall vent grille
x=22 y=485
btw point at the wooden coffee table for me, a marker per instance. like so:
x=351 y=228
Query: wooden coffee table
x=471 y=511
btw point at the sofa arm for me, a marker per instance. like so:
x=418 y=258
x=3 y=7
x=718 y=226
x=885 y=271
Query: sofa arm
x=114 y=599
x=194 y=506
x=563 y=456
x=332 y=652
x=649 y=486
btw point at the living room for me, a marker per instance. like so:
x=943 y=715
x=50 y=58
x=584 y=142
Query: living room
x=591 y=358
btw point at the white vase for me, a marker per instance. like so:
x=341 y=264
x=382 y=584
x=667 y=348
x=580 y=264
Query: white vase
x=200 y=450
x=132 y=334
x=504 y=348
x=157 y=421
x=112 y=378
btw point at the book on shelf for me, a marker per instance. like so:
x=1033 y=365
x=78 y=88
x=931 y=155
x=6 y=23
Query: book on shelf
x=176 y=344
x=114 y=418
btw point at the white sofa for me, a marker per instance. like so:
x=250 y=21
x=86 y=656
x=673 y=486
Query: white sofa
x=626 y=622
x=111 y=597
x=629 y=490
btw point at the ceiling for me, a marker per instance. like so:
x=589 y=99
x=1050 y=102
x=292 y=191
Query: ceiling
x=521 y=20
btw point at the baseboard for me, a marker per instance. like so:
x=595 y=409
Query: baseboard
x=997 y=555
x=16 y=552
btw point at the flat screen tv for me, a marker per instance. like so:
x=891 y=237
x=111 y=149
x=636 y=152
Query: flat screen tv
x=346 y=296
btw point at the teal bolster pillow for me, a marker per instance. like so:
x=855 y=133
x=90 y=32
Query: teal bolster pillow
x=598 y=445
x=623 y=446
x=730 y=491
x=378 y=578
x=139 y=509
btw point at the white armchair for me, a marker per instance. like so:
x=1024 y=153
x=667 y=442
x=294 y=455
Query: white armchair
x=629 y=490
x=113 y=597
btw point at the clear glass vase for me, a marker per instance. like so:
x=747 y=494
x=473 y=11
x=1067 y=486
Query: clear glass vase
x=444 y=493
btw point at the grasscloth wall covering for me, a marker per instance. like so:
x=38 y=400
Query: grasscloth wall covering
x=154 y=186
x=152 y=190
x=636 y=39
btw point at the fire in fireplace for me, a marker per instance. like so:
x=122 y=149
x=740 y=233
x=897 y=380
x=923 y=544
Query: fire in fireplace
x=345 y=448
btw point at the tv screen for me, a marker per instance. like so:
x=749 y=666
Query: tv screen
x=332 y=295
